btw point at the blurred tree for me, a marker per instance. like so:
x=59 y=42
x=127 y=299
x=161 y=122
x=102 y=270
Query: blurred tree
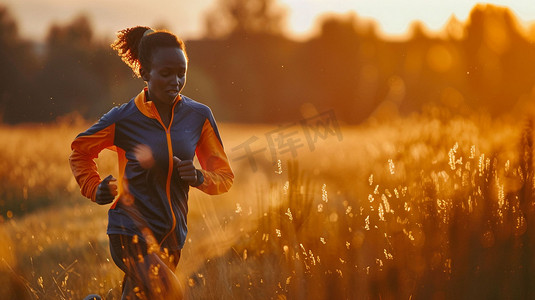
x=333 y=65
x=67 y=81
x=247 y=57
x=501 y=62
x=250 y=70
x=78 y=74
x=17 y=63
x=242 y=17
x=70 y=72
x=261 y=75
x=455 y=29
x=345 y=67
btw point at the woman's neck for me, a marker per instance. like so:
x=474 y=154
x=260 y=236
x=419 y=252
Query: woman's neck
x=164 y=110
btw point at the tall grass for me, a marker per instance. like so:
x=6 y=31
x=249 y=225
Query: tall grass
x=441 y=211
x=417 y=208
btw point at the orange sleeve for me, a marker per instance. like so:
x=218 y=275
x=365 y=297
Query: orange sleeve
x=218 y=175
x=85 y=148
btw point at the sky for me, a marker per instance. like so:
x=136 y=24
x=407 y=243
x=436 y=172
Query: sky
x=185 y=17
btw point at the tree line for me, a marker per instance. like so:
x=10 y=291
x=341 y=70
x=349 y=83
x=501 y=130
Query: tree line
x=248 y=70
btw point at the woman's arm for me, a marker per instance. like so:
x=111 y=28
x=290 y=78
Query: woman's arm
x=218 y=175
x=85 y=148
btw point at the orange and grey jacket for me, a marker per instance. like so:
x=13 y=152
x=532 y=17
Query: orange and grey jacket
x=152 y=200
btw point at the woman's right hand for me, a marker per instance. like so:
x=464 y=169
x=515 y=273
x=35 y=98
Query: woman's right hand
x=106 y=190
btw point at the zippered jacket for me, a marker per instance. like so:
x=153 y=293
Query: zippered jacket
x=152 y=203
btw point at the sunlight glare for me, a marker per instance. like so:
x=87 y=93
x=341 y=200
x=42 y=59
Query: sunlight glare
x=393 y=18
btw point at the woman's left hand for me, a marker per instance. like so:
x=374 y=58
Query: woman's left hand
x=186 y=170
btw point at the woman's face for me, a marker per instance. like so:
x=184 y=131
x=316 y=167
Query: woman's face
x=167 y=75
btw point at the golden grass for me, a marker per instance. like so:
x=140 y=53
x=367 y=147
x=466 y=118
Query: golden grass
x=412 y=208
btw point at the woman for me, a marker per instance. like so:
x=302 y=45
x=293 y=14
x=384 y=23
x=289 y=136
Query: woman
x=156 y=136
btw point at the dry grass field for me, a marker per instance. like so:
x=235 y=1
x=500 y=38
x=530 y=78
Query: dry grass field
x=437 y=207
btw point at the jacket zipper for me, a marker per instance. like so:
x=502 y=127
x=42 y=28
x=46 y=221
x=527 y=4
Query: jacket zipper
x=170 y=170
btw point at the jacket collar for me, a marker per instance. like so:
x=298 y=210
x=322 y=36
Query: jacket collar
x=147 y=107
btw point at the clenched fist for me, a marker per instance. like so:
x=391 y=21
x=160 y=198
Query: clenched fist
x=188 y=172
x=106 y=190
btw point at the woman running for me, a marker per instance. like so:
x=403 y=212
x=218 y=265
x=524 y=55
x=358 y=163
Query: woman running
x=156 y=135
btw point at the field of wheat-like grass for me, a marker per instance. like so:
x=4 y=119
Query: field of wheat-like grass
x=413 y=208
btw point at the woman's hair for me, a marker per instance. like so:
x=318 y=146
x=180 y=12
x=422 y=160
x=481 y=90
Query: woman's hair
x=135 y=45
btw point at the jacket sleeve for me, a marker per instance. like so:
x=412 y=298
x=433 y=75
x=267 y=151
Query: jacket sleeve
x=85 y=148
x=218 y=175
